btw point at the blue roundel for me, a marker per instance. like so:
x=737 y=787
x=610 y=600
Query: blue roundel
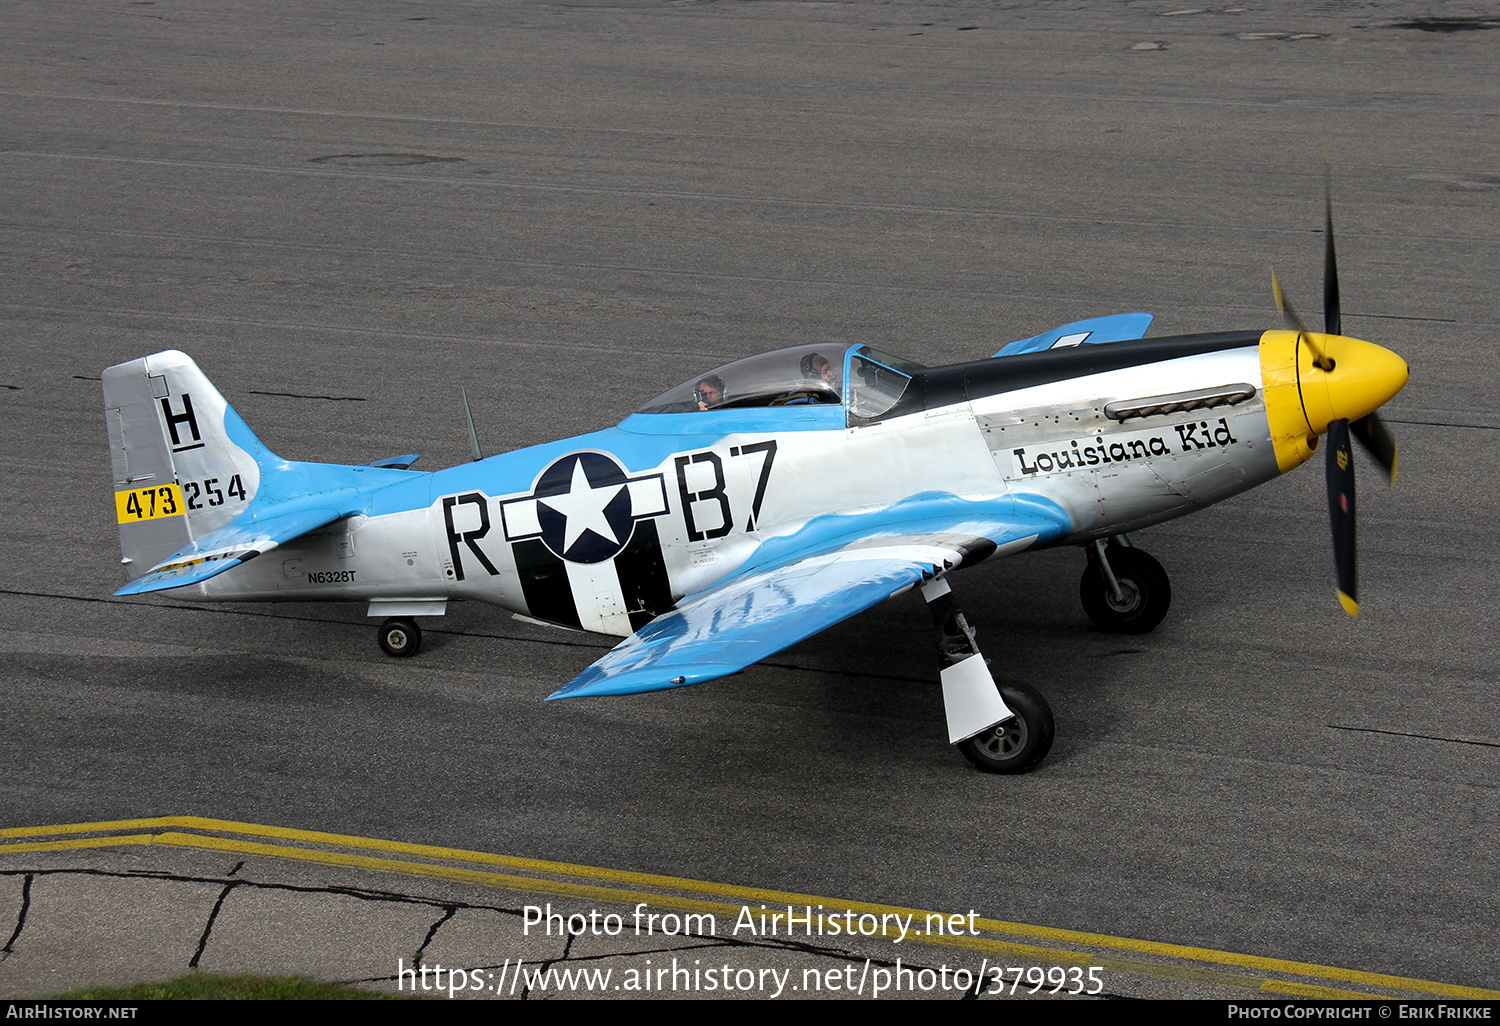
x=583 y=508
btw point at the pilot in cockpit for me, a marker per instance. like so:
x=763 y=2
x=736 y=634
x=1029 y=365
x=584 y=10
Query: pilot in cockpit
x=816 y=368
x=818 y=376
x=709 y=392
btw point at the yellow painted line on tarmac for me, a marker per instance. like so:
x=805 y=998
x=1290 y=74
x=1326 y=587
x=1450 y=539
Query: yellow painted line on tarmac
x=117 y=840
x=608 y=885
x=1309 y=992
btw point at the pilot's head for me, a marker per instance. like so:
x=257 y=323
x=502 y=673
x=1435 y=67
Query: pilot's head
x=816 y=368
x=711 y=390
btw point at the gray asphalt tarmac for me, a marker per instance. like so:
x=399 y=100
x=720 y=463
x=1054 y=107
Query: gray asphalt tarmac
x=346 y=212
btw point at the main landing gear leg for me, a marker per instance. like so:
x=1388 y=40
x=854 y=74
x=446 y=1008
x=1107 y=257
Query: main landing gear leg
x=1123 y=590
x=999 y=728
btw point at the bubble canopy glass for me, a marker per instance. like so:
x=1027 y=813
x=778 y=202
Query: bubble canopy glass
x=808 y=375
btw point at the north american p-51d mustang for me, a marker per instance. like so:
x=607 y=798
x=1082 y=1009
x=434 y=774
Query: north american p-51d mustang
x=756 y=504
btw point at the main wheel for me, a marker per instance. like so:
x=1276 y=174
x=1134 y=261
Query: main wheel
x=400 y=637
x=1018 y=744
x=1146 y=593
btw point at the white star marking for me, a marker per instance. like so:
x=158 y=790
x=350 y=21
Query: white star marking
x=583 y=506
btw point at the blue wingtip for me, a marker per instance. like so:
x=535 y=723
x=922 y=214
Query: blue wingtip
x=595 y=683
x=1095 y=330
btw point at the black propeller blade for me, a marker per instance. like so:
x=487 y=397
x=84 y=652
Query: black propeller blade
x=1339 y=461
x=1370 y=431
x=1376 y=439
x=1284 y=304
x=1333 y=321
x=1340 y=476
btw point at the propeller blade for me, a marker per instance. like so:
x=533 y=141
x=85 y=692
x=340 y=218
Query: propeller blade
x=1285 y=306
x=1341 y=513
x=1370 y=431
x=1333 y=322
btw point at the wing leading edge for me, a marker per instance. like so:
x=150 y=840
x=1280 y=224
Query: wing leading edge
x=758 y=613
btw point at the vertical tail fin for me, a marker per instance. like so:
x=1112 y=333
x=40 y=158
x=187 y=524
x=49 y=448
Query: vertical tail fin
x=184 y=462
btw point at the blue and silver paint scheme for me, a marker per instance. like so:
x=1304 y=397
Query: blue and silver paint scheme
x=711 y=535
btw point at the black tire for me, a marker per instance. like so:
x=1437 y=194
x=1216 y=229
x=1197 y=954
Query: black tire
x=1018 y=745
x=400 y=637
x=1148 y=592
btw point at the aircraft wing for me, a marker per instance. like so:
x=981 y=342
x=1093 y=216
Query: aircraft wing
x=741 y=621
x=1095 y=330
x=242 y=539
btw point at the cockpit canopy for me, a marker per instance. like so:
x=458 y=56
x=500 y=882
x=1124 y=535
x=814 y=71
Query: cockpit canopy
x=810 y=375
x=799 y=376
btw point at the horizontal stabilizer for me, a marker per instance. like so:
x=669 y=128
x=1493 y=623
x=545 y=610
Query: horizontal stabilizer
x=1095 y=330
x=242 y=539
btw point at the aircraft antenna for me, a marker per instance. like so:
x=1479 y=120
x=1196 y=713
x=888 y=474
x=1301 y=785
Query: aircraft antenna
x=473 y=437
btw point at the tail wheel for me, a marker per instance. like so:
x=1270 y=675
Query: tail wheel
x=1145 y=592
x=400 y=637
x=1019 y=744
